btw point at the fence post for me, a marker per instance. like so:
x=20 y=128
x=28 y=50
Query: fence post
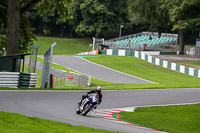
x=48 y=57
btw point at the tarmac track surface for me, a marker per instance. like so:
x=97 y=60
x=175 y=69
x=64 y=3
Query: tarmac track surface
x=61 y=105
x=95 y=70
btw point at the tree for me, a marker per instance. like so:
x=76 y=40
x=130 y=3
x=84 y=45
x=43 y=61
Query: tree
x=150 y=12
x=2 y=29
x=98 y=17
x=181 y=15
x=16 y=11
x=12 y=40
x=185 y=15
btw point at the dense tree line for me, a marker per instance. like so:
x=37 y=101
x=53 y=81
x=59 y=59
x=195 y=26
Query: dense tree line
x=175 y=15
x=99 y=18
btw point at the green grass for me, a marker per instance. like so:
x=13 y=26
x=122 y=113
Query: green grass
x=165 y=78
x=15 y=123
x=64 y=46
x=193 y=64
x=173 y=119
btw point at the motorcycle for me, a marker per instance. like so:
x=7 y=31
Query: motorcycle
x=88 y=104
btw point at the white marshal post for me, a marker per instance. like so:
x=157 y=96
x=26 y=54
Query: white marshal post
x=93 y=45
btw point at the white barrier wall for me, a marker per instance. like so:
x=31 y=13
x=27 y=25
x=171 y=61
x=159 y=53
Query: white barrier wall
x=109 y=52
x=142 y=56
x=150 y=59
x=165 y=63
x=157 y=61
x=121 y=52
x=151 y=52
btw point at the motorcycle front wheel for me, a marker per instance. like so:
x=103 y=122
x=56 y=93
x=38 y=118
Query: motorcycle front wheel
x=86 y=109
x=78 y=110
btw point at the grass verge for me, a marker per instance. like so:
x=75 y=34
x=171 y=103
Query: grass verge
x=64 y=46
x=165 y=78
x=15 y=123
x=174 y=119
x=193 y=64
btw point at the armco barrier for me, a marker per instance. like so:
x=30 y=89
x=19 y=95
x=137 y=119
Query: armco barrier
x=27 y=80
x=18 y=80
x=9 y=79
x=156 y=61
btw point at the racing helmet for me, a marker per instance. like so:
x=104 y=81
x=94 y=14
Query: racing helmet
x=98 y=89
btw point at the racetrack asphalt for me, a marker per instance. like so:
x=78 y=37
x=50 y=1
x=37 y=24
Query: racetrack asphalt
x=61 y=105
x=98 y=71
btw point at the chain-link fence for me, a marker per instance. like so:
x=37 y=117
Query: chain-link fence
x=46 y=70
x=33 y=58
x=63 y=78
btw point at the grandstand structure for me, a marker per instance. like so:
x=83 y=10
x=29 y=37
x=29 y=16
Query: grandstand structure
x=143 y=41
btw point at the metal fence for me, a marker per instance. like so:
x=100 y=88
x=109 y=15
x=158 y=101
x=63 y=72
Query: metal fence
x=125 y=42
x=33 y=58
x=46 y=70
x=63 y=78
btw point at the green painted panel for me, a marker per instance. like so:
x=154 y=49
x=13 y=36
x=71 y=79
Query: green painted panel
x=146 y=57
x=161 y=63
x=140 y=55
x=177 y=67
x=153 y=60
x=169 y=65
x=133 y=53
x=186 y=70
x=103 y=51
x=129 y=53
x=115 y=52
x=196 y=72
x=168 y=53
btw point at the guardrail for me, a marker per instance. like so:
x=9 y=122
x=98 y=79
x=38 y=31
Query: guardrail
x=9 y=79
x=27 y=80
x=18 y=80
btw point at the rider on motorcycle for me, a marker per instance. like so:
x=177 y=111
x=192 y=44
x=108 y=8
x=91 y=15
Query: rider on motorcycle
x=97 y=90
